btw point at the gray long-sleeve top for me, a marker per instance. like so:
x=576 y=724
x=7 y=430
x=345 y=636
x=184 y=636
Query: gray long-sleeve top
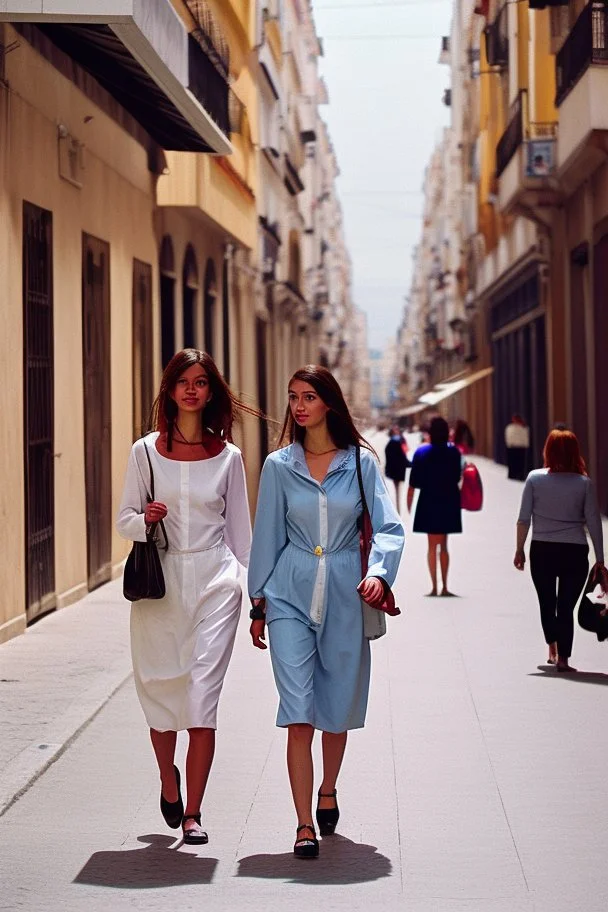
x=560 y=505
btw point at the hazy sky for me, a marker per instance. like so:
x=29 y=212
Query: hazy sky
x=385 y=116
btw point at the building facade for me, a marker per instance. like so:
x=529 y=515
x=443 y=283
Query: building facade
x=132 y=219
x=529 y=95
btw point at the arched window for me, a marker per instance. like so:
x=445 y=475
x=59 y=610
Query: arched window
x=167 y=299
x=190 y=287
x=210 y=299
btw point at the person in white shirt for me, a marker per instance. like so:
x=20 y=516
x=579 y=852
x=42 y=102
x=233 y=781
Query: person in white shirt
x=517 y=439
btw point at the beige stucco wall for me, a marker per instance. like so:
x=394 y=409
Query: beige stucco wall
x=115 y=204
x=187 y=227
x=12 y=619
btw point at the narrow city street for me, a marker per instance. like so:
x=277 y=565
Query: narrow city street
x=478 y=785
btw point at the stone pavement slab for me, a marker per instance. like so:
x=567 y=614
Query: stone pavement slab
x=476 y=786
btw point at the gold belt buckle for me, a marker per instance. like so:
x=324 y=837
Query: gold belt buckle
x=318 y=551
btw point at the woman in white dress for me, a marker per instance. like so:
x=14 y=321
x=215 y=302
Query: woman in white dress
x=181 y=644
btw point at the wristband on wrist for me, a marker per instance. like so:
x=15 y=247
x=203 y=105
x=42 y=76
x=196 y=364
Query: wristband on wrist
x=258 y=612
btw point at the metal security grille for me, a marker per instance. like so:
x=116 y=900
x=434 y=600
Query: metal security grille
x=38 y=405
x=97 y=407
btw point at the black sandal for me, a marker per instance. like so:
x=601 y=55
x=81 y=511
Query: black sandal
x=172 y=811
x=327 y=818
x=194 y=836
x=306 y=847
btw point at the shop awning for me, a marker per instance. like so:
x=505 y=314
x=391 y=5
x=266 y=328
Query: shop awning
x=145 y=58
x=445 y=390
x=412 y=410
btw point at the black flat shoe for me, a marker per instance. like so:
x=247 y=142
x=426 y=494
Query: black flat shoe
x=194 y=835
x=306 y=847
x=327 y=818
x=173 y=811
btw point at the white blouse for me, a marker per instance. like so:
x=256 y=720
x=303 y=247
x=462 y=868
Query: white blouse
x=206 y=499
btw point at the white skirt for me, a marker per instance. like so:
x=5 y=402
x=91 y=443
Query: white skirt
x=181 y=645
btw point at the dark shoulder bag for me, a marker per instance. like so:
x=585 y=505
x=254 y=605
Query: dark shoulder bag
x=366 y=534
x=143 y=575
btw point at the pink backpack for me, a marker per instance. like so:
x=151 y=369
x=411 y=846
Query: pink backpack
x=471 y=492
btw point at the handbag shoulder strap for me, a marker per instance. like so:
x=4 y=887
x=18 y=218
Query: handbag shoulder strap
x=360 y=479
x=161 y=523
x=151 y=472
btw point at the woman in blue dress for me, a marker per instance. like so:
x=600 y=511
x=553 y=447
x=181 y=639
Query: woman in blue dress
x=436 y=471
x=305 y=584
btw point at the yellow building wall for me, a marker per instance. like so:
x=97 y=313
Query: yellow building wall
x=490 y=130
x=224 y=188
x=116 y=205
x=542 y=70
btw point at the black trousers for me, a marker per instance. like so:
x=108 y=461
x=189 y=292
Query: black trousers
x=516 y=462
x=559 y=573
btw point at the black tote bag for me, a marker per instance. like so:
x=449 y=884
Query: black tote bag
x=143 y=575
x=589 y=612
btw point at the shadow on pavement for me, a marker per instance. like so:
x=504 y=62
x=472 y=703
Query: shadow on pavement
x=580 y=677
x=340 y=862
x=156 y=866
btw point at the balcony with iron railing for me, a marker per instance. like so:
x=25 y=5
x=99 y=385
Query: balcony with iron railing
x=172 y=82
x=209 y=65
x=526 y=161
x=586 y=45
x=512 y=138
x=581 y=92
x=497 y=38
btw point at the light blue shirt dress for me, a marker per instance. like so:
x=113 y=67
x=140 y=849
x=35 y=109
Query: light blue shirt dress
x=305 y=562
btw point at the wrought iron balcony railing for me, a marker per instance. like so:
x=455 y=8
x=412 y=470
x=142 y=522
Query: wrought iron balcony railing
x=209 y=68
x=513 y=136
x=497 y=39
x=586 y=44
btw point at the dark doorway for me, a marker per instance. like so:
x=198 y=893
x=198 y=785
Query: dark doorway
x=520 y=385
x=600 y=334
x=190 y=298
x=38 y=397
x=520 y=366
x=97 y=407
x=143 y=373
x=260 y=326
x=167 y=300
x=209 y=312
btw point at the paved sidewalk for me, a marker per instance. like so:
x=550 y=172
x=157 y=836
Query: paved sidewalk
x=478 y=784
x=54 y=679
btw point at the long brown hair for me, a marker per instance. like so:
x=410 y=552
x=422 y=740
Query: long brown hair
x=340 y=425
x=220 y=412
x=562 y=453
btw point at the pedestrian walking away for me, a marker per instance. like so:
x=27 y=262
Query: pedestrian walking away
x=305 y=584
x=396 y=461
x=560 y=500
x=517 y=441
x=181 y=644
x=436 y=471
x=462 y=437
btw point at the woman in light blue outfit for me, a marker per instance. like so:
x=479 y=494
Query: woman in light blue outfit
x=305 y=583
